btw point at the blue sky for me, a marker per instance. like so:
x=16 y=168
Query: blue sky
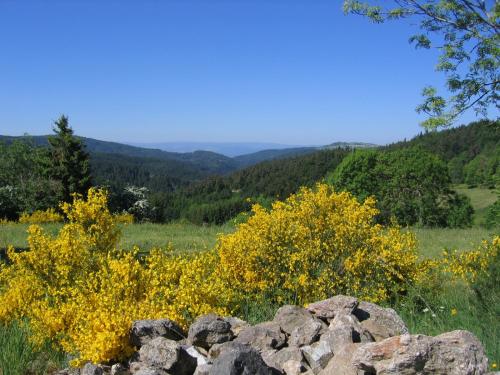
x=285 y=71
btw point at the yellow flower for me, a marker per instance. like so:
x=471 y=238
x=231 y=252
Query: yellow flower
x=80 y=292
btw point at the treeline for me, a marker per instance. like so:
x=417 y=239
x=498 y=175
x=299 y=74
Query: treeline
x=411 y=185
x=220 y=198
x=472 y=151
x=411 y=180
x=37 y=178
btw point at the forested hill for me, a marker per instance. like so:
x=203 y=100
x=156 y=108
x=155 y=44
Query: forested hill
x=471 y=151
x=116 y=164
x=205 y=161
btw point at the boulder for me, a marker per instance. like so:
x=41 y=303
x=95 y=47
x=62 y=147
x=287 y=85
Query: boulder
x=241 y=360
x=208 y=330
x=341 y=363
x=203 y=369
x=331 y=307
x=143 y=331
x=317 y=355
x=237 y=325
x=145 y=370
x=69 y=371
x=91 y=369
x=293 y=367
x=345 y=329
x=195 y=353
x=262 y=336
x=278 y=359
x=119 y=369
x=381 y=322
x=289 y=317
x=452 y=353
x=166 y=355
x=306 y=334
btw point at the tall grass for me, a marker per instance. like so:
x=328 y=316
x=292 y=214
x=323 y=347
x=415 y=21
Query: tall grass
x=18 y=357
x=432 y=241
x=451 y=306
x=184 y=237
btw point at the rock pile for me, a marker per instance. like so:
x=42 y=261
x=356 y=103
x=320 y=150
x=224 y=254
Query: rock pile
x=337 y=336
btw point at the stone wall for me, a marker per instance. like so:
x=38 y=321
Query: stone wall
x=337 y=336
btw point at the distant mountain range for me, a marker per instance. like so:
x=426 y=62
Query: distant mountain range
x=230 y=156
x=230 y=149
x=118 y=163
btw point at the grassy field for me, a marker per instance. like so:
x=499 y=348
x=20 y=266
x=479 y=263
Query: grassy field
x=184 y=237
x=189 y=237
x=429 y=312
x=481 y=199
x=432 y=241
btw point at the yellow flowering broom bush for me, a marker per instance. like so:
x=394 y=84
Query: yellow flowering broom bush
x=78 y=291
x=81 y=293
x=124 y=218
x=41 y=217
x=316 y=244
x=468 y=265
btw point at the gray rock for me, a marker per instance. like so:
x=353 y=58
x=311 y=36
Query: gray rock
x=343 y=330
x=341 y=363
x=317 y=355
x=208 y=330
x=143 y=331
x=305 y=334
x=293 y=367
x=149 y=371
x=193 y=352
x=452 y=353
x=329 y=308
x=68 y=371
x=203 y=369
x=167 y=355
x=262 y=336
x=215 y=350
x=237 y=325
x=289 y=317
x=119 y=369
x=91 y=369
x=381 y=322
x=241 y=360
x=278 y=358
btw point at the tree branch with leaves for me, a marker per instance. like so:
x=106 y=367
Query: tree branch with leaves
x=467 y=34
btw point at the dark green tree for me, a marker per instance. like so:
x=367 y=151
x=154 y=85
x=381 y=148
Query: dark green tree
x=69 y=161
x=467 y=34
x=24 y=183
x=492 y=219
x=411 y=185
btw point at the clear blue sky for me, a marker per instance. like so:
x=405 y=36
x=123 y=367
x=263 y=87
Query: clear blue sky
x=286 y=71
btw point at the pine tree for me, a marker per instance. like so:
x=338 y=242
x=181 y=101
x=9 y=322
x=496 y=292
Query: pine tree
x=69 y=161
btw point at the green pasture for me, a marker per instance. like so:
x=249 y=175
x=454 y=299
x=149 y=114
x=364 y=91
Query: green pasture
x=481 y=199
x=189 y=237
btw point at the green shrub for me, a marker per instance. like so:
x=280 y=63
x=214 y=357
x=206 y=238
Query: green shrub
x=493 y=215
x=411 y=185
x=460 y=211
